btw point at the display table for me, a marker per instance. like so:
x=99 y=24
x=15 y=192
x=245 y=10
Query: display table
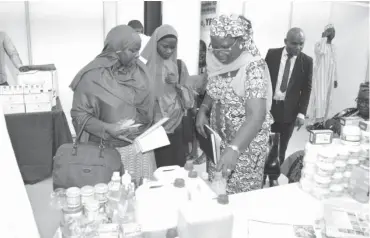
x=281 y=204
x=35 y=138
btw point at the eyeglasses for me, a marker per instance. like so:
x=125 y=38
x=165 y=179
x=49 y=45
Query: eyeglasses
x=222 y=49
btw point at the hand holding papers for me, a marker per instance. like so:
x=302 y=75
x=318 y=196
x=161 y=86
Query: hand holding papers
x=153 y=138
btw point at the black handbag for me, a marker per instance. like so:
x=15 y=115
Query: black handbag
x=77 y=164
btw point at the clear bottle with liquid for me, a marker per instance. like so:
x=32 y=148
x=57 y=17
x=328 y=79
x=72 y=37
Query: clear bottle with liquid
x=114 y=193
x=218 y=184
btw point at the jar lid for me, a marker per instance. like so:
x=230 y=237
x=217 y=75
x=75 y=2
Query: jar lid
x=327 y=152
x=326 y=166
x=101 y=188
x=192 y=174
x=353 y=162
x=87 y=190
x=179 y=183
x=340 y=164
x=92 y=204
x=351 y=130
x=73 y=192
x=354 y=149
x=336 y=188
x=223 y=199
x=337 y=175
x=189 y=165
x=321 y=179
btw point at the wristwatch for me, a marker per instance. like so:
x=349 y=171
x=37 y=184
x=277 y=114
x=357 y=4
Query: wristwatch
x=234 y=148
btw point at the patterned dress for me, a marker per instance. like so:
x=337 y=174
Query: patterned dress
x=227 y=116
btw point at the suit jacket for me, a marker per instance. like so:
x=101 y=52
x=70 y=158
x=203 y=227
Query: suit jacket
x=299 y=86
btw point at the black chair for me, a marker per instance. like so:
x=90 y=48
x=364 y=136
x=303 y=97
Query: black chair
x=295 y=170
x=272 y=164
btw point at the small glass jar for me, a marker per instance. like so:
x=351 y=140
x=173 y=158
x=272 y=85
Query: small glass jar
x=336 y=190
x=73 y=197
x=87 y=193
x=72 y=213
x=101 y=193
x=92 y=207
x=351 y=164
x=340 y=166
x=326 y=155
x=342 y=152
x=322 y=182
x=325 y=169
x=337 y=178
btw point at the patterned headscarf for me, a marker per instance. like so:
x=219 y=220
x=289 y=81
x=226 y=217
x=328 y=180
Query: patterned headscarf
x=329 y=26
x=235 y=26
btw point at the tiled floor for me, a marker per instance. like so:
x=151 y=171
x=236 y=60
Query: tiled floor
x=47 y=219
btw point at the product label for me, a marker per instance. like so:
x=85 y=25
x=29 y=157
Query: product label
x=351 y=138
x=321 y=137
x=364 y=125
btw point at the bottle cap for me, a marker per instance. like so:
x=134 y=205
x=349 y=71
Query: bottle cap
x=101 y=188
x=179 y=183
x=189 y=165
x=223 y=199
x=73 y=192
x=87 y=190
x=192 y=174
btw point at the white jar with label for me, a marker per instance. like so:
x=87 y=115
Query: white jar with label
x=326 y=155
x=340 y=166
x=325 y=169
x=87 y=193
x=322 y=182
x=73 y=197
x=336 y=190
x=311 y=152
x=351 y=135
x=92 y=207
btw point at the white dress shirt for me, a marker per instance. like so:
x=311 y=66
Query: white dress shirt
x=278 y=95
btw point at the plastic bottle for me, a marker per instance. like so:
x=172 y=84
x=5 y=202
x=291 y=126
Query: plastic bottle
x=126 y=211
x=113 y=194
x=219 y=184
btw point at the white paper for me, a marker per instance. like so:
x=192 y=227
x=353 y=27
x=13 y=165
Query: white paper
x=155 y=139
x=259 y=229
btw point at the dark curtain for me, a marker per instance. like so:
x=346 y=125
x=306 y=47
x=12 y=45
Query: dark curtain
x=152 y=16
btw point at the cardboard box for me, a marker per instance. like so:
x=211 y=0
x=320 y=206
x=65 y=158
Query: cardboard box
x=12 y=98
x=38 y=97
x=321 y=137
x=365 y=126
x=13 y=108
x=38 y=107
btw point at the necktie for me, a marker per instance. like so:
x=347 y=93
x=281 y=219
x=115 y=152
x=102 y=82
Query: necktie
x=284 y=82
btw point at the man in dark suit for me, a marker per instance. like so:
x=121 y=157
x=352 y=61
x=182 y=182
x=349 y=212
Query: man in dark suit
x=291 y=77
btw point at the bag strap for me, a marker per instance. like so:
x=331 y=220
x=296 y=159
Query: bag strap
x=79 y=134
x=179 y=65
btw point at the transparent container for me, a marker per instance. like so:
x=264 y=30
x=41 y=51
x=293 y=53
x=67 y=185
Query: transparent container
x=311 y=152
x=72 y=213
x=92 y=207
x=351 y=164
x=337 y=178
x=325 y=169
x=322 y=182
x=101 y=192
x=218 y=184
x=336 y=190
x=58 y=198
x=73 y=197
x=87 y=193
x=359 y=184
x=340 y=166
x=326 y=155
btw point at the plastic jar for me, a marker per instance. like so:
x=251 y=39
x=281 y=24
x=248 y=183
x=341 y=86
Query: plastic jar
x=354 y=152
x=101 y=192
x=322 y=182
x=351 y=135
x=342 y=153
x=92 y=207
x=309 y=166
x=351 y=164
x=308 y=172
x=73 y=213
x=87 y=193
x=325 y=169
x=73 y=197
x=340 y=166
x=306 y=184
x=336 y=190
x=337 y=178
x=311 y=152
x=326 y=155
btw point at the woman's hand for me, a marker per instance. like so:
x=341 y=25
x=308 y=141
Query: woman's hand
x=201 y=121
x=119 y=131
x=171 y=78
x=228 y=161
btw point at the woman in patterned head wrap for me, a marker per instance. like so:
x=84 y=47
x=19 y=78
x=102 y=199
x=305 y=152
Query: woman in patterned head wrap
x=239 y=96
